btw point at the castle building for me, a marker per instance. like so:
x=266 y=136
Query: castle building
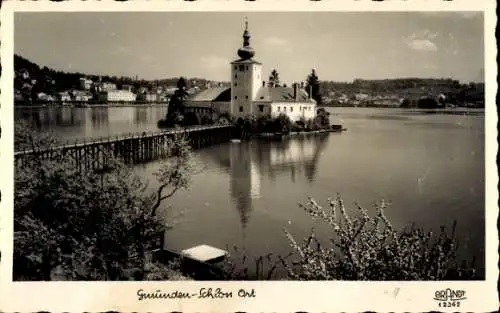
x=249 y=95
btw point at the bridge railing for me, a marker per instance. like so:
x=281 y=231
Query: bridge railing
x=97 y=140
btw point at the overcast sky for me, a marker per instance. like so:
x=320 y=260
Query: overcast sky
x=341 y=46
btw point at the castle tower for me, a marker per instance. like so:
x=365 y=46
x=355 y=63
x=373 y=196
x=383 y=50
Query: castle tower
x=246 y=78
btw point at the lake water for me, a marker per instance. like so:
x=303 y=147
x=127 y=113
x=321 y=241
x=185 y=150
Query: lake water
x=429 y=166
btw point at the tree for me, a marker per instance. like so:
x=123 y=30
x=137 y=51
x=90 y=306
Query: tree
x=191 y=118
x=427 y=103
x=283 y=124
x=322 y=119
x=176 y=106
x=207 y=119
x=274 y=79
x=73 y=225
x=313 y=87
x=405 y=103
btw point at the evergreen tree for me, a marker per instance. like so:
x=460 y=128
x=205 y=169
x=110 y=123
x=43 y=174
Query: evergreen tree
x=177 y=103
x=274 y=79
x=313 y=87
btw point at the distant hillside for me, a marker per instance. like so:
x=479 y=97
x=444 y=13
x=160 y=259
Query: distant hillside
x=31 y=79
x=409 y=88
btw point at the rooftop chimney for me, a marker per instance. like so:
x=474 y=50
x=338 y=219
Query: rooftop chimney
x=310 y=92
x=295 y=92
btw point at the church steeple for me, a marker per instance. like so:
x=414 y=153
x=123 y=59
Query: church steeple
x=246 y=52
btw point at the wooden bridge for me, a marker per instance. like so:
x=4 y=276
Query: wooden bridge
x=97 y=154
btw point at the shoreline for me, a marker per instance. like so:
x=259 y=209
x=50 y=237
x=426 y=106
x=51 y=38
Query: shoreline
x=89 y=106
x=333 y=129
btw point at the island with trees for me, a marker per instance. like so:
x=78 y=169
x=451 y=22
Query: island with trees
x=252 y=125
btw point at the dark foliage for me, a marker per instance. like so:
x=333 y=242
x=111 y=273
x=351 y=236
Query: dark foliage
x=313 y=87
x=72 y=225
x=427 y=103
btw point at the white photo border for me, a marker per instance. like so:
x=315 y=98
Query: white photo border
x=271 y=296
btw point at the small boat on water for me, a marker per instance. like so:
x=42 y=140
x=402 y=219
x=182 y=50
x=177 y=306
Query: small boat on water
x=337 y=128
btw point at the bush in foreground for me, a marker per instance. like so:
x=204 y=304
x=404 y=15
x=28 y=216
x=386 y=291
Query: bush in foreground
x=367 y=247
x=361 y=247
x=72 y=225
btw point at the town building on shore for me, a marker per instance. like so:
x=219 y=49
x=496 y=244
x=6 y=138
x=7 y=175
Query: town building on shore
x=106 y=86
x=81 y=95
x=86 y=83
x=249 y=94
x=64 y=96
x=41 y=96
x=117 y=96
x=148 y=97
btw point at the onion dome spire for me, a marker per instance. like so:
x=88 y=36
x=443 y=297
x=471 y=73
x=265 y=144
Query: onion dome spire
x=246 y=52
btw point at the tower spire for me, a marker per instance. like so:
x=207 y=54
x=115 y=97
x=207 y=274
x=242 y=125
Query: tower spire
x=246 y=52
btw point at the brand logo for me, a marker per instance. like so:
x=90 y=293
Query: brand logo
x=449 y=297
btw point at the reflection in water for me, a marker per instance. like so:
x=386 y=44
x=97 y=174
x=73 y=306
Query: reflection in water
x=141 y=116
x=250 y=161
x=245 y=179
x=74 y=123
x=99 y=117
x=376 y=158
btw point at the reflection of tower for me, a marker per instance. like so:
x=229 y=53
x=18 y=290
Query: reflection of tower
x=297 y=157
x=245 y=179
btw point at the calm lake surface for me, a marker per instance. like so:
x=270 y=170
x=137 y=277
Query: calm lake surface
x=429 y=166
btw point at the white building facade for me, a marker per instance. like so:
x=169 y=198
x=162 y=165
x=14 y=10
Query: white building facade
x=117 y=96
x=249 y=95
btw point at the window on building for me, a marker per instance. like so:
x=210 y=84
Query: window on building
x=235 y=84
x=247 y=68
x=235 y=67
x=242 y=68
x=241 y=109
x=246 y=97
x=291 y=109
x=279 y=109
x=284 y=109
x=235 y=97
x=261 y=108
x=235 y=76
